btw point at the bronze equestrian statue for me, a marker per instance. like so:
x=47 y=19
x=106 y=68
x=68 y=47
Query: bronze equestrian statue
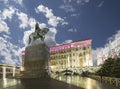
x=39 y=33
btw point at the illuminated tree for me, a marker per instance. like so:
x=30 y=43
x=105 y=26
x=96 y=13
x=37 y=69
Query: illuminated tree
x=106 y=69
x=116 y=68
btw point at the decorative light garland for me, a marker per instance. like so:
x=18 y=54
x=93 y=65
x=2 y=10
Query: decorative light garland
x=70 y=45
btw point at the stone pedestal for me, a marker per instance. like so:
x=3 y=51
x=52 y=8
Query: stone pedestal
x=36 y=61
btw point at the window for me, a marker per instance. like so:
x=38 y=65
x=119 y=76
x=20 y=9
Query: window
x=84 y=53
x=76 y=49
x=80 y=54
x=84 y=48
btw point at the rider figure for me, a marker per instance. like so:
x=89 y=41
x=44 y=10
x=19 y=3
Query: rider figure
x=37 y=29
x=38 y=33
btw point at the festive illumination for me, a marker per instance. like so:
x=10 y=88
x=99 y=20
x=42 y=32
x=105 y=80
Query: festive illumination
x=67 y=46
x=70 y=45
x=72 y=55
x=23 y=53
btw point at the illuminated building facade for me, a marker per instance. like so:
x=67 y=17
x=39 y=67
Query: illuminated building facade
x=8 y=71
x=72 y=55
x=111 y=49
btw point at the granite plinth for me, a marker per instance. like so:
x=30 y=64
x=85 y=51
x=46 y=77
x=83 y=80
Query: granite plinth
x=36 y=61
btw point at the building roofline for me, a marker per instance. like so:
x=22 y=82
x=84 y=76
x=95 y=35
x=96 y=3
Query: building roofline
x=6 y=65
x=82 y=40
x=71 y=42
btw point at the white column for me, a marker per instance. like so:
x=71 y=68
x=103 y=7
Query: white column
x=87 y=60
x=68 y=62
x=4 y=72
x=76 y=60
x=13 y=71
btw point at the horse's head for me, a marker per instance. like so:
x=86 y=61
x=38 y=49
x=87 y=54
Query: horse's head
x=44 y=31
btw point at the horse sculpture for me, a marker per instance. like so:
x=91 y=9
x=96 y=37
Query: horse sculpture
x=39 y=33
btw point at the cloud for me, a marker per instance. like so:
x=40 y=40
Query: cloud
x=113 y=37
x=25 y=21
x=8 y=13
x=67 y=7
x=19 y=1
x=31 y=22
x=4 y=27
x=72 y=30
x=50 y=37
x=95 y=55
x=42 y=25
x=23 y=18
x=26 y=36
x=9 y=52
x=104 y=51
x=67 y=41
x=52 y=19
x=6 y=2
x=82 y=1
x=74 y=15
x=2 y=43
x=100 y=4
x=68 y=4
x=6 y=36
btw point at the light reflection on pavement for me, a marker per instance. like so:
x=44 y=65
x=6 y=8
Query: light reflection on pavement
x=85 y=82
x=5 y=83
x=79 y=82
